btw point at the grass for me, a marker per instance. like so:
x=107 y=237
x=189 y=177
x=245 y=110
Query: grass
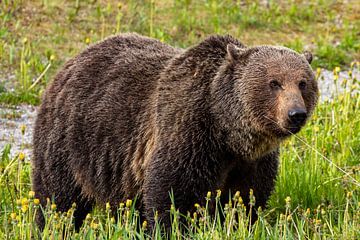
x=37 y=37
x=317 y=192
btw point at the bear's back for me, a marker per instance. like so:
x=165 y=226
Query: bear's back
x=93 y=112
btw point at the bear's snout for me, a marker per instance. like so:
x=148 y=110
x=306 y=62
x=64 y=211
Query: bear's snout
x=297 y=118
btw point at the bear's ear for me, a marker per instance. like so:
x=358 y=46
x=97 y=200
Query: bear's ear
x=234 y=53
x=308 y=56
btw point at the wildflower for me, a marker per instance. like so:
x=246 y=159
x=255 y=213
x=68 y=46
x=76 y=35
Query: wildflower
x=107 y=206
x=337 y=69
x=252 y=198
x=87 y=40
x=144 y=225
x=25 y=40
x=69 y=213
x=24 y=201
x=230 y=203
x=196 y=205
x=31 y=194
x=119 y=6
x=323 y=212
x=349 y=195
x=307 y=213
x=94 y=225
x=13 y=216
x=24 y=208
x=52 y=57
x=21 y=156
x=156 y=215
x=88 y=217
x=208 y=195
x=287 y=202
x=112 y=220
x=218 y=193
x=128 y=203
x=289 y=218
x=73 y=206
x=240 y=200
x=23 y=129
x=53 y=206
x=316 y=128
x=121 y=205
x=237 y=194
x=18 y=202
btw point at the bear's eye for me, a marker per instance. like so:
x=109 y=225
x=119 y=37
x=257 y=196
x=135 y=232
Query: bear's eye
x=302 y=85
x=274 y=84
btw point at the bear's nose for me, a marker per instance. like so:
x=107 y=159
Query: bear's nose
x=297 y=116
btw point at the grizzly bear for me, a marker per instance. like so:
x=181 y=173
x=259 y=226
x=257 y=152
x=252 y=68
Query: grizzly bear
x=133 y=117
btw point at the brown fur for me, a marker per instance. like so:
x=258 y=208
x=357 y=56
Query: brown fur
x=131 y=116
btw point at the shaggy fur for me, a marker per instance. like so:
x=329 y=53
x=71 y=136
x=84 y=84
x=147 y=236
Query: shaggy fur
x=131 y=116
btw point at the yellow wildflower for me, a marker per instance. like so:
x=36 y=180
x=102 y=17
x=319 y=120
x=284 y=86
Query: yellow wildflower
x=13 y=216
x=128 y=203
x=31 y=194
x=208 y=195
x=53 y=206
x=23 y=128
x=36 y=201
x=21 y=156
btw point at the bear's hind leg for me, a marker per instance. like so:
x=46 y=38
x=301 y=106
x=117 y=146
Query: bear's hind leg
x=64 y=194
x=83 y=207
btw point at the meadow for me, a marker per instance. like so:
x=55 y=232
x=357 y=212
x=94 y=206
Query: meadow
x=317 y=194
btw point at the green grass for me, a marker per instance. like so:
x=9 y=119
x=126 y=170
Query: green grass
x=317 y=194
x=34 y=34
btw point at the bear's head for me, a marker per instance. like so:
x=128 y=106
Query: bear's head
x=267 y=89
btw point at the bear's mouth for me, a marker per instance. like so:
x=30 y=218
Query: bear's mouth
x=285 y=132
x=293 y=129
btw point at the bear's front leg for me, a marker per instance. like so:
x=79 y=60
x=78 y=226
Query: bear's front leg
x=258 y=175
x=187 y=176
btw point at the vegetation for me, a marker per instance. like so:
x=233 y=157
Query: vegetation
x=317 y=194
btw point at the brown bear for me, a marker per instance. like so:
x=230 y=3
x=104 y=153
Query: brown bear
x=133 y=117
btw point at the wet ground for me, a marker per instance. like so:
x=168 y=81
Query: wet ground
x=12 y=119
